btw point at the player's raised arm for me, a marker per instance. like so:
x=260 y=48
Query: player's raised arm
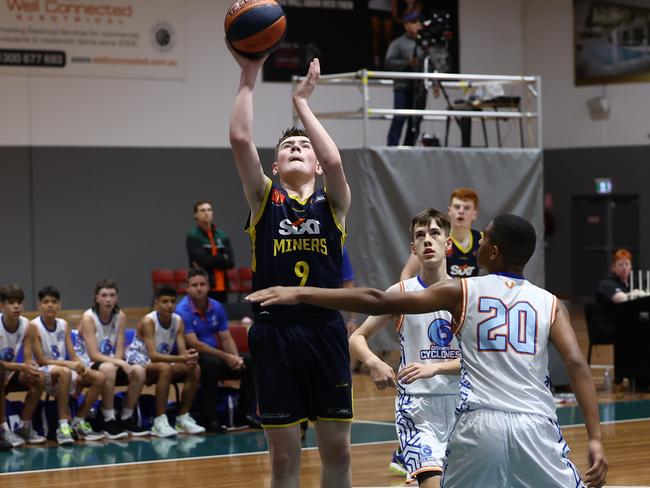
x=564 y=339
x=327 y=153
x=445 y=295
x=247 y=159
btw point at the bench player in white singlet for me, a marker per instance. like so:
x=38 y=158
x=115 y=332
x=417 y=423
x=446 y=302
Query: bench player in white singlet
x=506 y=434
x=51 y=342
x=427 y=389
x=13 y=328
x=158 y=333
x=100 y=345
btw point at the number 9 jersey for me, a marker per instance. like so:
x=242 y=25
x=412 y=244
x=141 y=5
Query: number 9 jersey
x=295 y=243
x=504 y=334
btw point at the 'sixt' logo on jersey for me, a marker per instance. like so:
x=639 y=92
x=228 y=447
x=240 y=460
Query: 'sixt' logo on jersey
x=299 y=227
x=440 y=335
x=461 y=270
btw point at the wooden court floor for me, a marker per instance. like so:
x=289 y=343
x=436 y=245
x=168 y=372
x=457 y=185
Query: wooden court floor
x=626 y=439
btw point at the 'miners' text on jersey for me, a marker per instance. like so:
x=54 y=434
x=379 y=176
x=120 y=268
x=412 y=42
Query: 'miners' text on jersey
x=503 y=337
x=427 y=338
x=462 y=262
x=295 y=243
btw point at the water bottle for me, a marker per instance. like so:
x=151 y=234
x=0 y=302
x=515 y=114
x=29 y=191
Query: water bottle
x=608 y=381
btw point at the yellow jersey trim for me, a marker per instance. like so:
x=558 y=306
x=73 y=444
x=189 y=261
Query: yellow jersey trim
x=301 y=202
x=251 y=230
x=260 y=211
x=339 y=226
x=284 y=426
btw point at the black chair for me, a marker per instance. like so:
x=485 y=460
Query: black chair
x=591 y=314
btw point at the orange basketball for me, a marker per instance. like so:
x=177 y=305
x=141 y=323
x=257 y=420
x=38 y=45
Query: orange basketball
x=255 y=27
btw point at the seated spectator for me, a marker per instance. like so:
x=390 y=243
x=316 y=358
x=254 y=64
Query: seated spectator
x=613 y=289
x=158 y=333
x=206 y=331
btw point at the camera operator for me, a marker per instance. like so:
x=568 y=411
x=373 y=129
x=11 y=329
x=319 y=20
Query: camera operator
x=404 y=54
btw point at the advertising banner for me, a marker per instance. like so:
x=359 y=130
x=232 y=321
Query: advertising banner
x=92 y=38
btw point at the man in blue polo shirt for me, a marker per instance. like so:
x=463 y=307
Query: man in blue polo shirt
x=206 y=330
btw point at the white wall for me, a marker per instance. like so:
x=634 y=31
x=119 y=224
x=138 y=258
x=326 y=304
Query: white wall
x=497 y=37
x=548 y=40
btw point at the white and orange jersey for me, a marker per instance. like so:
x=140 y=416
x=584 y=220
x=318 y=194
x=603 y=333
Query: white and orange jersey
x=504 y=332
x=427 y=338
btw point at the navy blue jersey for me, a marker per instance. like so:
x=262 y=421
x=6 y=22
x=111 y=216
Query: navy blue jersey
x=463 y=263
x=295 y=243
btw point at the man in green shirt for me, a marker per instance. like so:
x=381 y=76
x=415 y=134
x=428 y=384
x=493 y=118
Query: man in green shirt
x=209 y=248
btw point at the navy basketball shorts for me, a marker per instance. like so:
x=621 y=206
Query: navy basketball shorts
x=302 y=371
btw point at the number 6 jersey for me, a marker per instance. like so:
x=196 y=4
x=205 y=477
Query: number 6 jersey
x=295 y=243
x=503 y=333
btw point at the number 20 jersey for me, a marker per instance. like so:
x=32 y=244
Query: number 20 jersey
x=504 y=334
x=295 y=243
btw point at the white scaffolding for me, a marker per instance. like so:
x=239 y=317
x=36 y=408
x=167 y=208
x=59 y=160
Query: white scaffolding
x=529 y=108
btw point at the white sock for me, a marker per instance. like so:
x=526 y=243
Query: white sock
x=63 y=422
x=77 y=420
x=161 y=418
x=127 y=413
x=184 y=416
x=25 y=423
x=5 y=426
x=109 y=414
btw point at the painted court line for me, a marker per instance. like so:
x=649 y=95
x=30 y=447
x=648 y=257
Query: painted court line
x=158 y=461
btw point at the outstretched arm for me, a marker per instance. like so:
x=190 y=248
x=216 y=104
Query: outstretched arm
x=445 y=295
x=247 y=159
x=564 y=339
x=325 y=148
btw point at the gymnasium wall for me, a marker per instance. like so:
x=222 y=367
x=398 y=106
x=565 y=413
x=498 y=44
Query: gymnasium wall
x=548 y=51
x=76 y=215
x=571 y=172
x=497 y=37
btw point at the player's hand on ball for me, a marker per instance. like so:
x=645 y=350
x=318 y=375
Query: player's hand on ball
x=276 y=295
x=243 y=61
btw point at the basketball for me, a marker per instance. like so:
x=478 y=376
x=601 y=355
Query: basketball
x=254 y=28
